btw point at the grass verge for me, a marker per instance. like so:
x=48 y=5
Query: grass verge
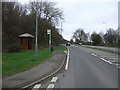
x=13 y=63
x=21 y=61
x=60 y=48
x=102 y=49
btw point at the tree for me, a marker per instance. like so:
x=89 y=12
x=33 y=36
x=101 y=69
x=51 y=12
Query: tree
x=80 y=36
x=47 y=10
x=19 y=19
x=49 y=16
x=71 y=41
x=111 y=36
x=96 y=38
x=10 y=24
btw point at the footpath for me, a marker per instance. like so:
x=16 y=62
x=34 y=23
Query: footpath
x=36 y=73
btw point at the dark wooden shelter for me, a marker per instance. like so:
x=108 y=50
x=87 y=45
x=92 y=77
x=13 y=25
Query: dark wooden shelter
x=26 y=41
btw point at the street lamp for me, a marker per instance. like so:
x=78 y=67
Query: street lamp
x=105 y=24
x=61 y=29
x=36 y=38
x=61 y=33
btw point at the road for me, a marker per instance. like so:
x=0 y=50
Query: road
x=85 y=71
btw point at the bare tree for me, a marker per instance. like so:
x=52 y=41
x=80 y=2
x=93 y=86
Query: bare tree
x=80 y=35
x=110 y=36
x=47 y=10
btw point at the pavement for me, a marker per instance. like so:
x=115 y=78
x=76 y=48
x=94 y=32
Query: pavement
x=42 y=70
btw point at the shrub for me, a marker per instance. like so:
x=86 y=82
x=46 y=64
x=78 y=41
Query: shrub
x=14 y=48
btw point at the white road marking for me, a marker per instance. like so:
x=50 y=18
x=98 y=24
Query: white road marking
x=94 y=54
x=113 y=58
x=54 y=79
x=36 y=87
x=65 y=52
x=117 y=64
x=66 y=67
x=106 y=60
x=51 y=86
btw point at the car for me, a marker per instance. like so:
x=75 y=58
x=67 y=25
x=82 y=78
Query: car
x=68 y=44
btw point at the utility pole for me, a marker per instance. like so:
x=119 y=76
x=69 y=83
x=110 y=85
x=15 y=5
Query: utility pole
x=36 y=38
x=61 y=33
x=61 y=28
x=50 y=40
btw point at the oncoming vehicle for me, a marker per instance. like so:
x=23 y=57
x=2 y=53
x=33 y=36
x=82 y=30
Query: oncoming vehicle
x=68 y=44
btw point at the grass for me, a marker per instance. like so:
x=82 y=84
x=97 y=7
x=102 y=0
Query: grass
x=0 y=64
x=102 y=49
x=18 y=62
x=61 y=48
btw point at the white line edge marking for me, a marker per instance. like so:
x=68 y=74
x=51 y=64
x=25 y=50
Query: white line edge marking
x=66 y=67
x=24 y=87
x=36 y=86
x=106 y=60
x=54 y=79
x=51 y=86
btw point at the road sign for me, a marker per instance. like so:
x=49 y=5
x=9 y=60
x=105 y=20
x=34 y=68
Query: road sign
x=48 y=31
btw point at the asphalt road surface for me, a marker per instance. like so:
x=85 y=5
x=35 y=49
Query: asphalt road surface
x=84 y=71
x=87 y=71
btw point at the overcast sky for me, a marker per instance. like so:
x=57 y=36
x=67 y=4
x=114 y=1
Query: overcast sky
x=88 y=14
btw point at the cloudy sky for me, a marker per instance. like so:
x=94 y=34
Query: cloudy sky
x=87 y=14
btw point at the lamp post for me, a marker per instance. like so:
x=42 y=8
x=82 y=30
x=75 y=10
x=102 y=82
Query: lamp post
x=36 y=38
x=61 y=33
x=61 y=29
x=105 y=24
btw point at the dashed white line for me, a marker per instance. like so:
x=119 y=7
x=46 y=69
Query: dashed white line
x=66 y=67
x=106 y=60
x=36 y=87
x=54 y=79
x=118 y=67
x=117 y=64
x=102 y=58
x=94 y=54
x=51 y=86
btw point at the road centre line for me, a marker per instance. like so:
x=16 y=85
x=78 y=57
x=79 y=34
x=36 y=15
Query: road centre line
x=51 y=86
x=106 y=60
x=102 y=58
x=54 y=79
x=66 y=67
x=94 y=54
x=36 y=87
